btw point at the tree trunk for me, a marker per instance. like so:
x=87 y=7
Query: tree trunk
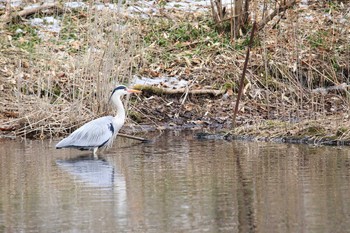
x=237 y=22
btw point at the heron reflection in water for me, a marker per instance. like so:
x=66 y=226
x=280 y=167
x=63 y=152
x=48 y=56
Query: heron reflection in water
x=94 y=172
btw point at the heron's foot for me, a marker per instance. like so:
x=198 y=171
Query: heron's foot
x=95 y=153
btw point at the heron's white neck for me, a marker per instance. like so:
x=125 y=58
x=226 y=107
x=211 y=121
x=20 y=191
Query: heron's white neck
x=120 y=108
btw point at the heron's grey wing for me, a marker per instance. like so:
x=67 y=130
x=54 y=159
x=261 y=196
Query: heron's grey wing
x=93 y=134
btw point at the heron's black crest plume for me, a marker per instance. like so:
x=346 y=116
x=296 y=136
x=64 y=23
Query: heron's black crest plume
x=121 y=87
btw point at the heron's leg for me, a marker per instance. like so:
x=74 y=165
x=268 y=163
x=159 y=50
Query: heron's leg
x=95 y=153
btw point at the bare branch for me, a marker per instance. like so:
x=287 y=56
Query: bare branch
x=133 y=137
x=240 y=90
x=274 y=13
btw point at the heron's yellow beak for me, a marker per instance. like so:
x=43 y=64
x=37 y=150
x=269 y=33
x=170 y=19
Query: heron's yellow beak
x=133 y=91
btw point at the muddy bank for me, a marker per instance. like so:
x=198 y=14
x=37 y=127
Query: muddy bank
x=59 y=66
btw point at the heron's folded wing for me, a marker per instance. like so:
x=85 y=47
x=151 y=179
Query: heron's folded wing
x=92 y=134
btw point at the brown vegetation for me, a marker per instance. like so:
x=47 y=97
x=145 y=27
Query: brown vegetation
x=298 y=69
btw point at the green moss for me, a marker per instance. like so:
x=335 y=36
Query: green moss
x=229 y=85
x=73 y=35
x=274 y=123
x=148 y=89
x=330 y=138
x=168 y=41
x=166 y=32
x=318 y=39
x=242 y=44
x=2 y=228
x=313 y=131
x=332 y=6
x=56 y=90
x=26 y=30
x=341 y=131
x=24 y=36
x=135 y=116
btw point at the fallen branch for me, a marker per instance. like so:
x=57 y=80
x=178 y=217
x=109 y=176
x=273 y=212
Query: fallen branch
x=26 y=12
x=274 y=13
x=10 y=128
x=166 y=91
x=325 y=90
x=133 y=137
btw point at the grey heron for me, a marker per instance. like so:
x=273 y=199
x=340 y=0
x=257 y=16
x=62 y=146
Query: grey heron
x=101 y=132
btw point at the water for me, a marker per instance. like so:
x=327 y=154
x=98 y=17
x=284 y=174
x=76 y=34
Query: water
x=175 y=184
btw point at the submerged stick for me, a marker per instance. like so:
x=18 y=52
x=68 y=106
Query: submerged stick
x=133 y=137
x=243 y=74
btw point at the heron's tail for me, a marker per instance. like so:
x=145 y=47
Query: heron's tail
x=62 y=144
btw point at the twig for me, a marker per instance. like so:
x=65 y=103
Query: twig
x=241 y=84
x=226 y=19
x=133 y=137
x=186 y=94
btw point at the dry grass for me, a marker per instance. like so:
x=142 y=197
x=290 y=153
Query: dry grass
x=335 y=130
x=297 y=53
x=298 y=71
x=66 y=78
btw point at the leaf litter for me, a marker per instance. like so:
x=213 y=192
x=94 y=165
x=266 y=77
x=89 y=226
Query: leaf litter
x=297 y=76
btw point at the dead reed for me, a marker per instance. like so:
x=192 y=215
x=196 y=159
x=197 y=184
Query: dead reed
x=298 y=70
x=66 y=79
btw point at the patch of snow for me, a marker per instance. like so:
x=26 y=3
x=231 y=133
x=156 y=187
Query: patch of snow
x=304 y=3
x=343 y=21
x=308 y=17
x=109 y=6
x=188 y=6
x=31 y=6
x=99 y=6
x=168 y=82
x=142 y=8
x=146 y=8
x=328 y=16
x=19 y=31
x=46 y=25
x=74 y=5
x=13 y=3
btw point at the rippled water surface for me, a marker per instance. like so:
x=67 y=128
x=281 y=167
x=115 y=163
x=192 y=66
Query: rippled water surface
x=174 y=184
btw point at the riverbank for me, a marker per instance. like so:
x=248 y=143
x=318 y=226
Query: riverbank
x=59 y=65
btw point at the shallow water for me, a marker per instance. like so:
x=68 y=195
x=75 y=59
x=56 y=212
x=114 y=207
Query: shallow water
x=175 y=184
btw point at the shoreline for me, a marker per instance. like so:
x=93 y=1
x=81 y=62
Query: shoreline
x=296 y=86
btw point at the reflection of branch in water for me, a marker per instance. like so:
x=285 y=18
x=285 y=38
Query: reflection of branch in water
x=95 y=172
x=245 y=200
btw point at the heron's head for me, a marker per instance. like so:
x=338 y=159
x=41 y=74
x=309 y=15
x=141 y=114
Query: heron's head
x=123 y=90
